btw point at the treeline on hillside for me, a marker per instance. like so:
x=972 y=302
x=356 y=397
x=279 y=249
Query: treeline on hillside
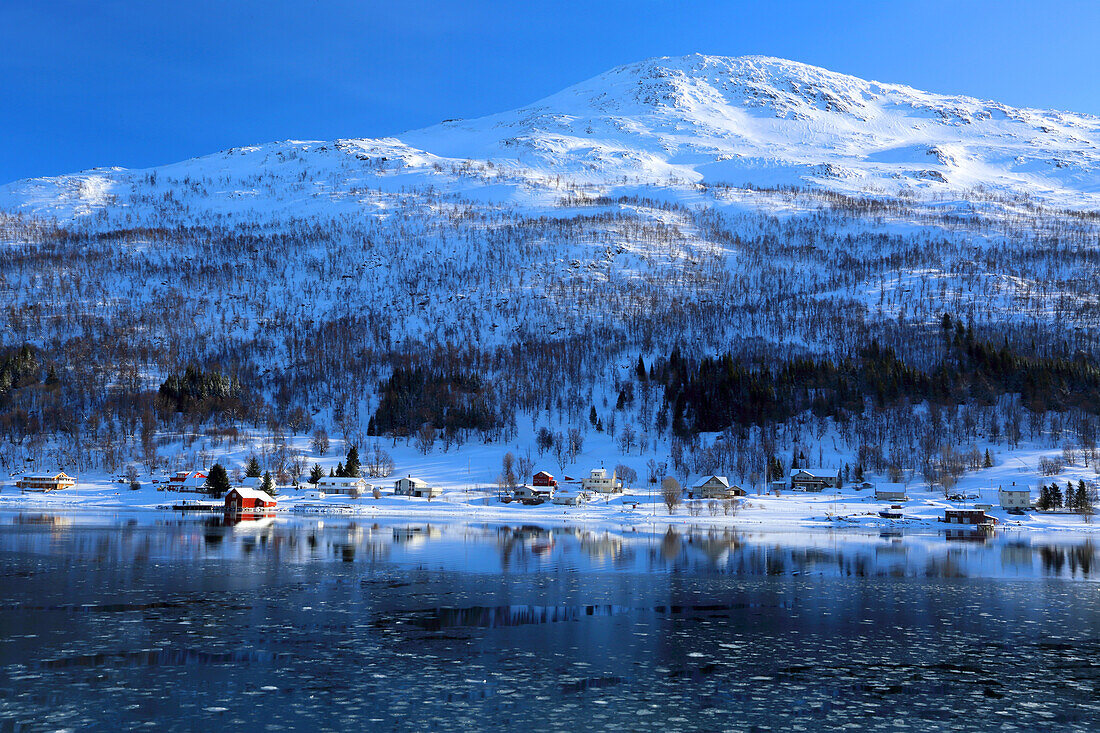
x=713 y=394
x=201 y=392
x=19 y=367
x=453 y=402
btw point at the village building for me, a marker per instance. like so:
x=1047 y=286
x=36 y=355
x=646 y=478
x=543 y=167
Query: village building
x=240 y=499
x=569 y=498
x=344 y=485
x=599 y=482
x=194 y=481
x=543 y=479
x=410 y=486
x=967 y=516
x=534 y=493
x=45 y=482
x=814 y=479
x=1014 y=498
x=718 y=487
x=890 y=492
x=252 y=482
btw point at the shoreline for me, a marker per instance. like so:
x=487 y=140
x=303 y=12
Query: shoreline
x=789 y=512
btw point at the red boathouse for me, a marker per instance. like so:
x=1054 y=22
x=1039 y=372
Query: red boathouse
x=240 y=498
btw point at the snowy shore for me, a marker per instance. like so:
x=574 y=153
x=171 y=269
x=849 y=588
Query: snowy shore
x=849 y=507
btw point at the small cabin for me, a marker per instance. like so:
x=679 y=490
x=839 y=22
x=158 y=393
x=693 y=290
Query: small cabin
x=240 y=499
x=718 y=487
x=45 y=482
x=890 y=492
x=814 y=479
x=539 y=494
x=569 y=498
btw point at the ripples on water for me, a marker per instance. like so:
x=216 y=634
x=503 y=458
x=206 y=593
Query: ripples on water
x=115 y=623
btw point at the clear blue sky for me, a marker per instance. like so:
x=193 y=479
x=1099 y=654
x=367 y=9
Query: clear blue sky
x=97 y=83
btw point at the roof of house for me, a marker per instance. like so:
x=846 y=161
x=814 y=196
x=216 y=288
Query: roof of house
x=44 y=476
x=246 y=493
x=721 y=479
x=1015 y=490
x=338 y=480
x=414 y=481
x=185 y=476
x=890 y=486
x=816 y=472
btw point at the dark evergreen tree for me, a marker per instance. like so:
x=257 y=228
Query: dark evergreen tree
x=340 y=470
x=217 y=481
x=316 y=473
x=268 y=484
x=253 y=470
x=640 y=370
x=351 y=468
x=592 y=416
x=988 y=463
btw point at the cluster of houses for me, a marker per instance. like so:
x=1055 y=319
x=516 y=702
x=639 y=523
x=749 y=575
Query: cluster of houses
x=248 y=496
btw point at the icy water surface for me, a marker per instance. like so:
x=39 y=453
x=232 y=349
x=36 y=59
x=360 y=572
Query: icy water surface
x=116 y=622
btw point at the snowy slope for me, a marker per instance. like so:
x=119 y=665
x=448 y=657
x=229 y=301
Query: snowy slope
x=673 y=123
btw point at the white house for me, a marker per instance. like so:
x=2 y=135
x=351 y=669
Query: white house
x=410 y=486
x=345 y=485
x=717 y=487
x=569 y=498
x=890 y=492
x=814 y=479
x=1014 y=497
x=255 y=483
x=599 y=482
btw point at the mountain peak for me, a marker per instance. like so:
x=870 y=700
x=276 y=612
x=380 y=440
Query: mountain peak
x=675 y=122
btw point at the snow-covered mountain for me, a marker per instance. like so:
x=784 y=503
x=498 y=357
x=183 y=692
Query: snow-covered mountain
x=693 y=206
x=669 y=123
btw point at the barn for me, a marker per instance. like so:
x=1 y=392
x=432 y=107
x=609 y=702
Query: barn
x=240 y=499
x=542 y=478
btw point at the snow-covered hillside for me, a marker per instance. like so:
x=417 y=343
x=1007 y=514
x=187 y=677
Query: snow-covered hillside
x=693 y=206
x=680 y=124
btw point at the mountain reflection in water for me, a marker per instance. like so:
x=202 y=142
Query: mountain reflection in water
x=116 y=622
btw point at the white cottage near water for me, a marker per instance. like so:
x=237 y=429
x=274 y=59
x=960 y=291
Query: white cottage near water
x=344 y=485
x=410 y=486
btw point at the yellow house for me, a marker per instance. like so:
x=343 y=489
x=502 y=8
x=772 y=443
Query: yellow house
x=45 y=482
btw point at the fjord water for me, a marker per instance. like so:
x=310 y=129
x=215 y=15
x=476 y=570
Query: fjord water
x=174 y=623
